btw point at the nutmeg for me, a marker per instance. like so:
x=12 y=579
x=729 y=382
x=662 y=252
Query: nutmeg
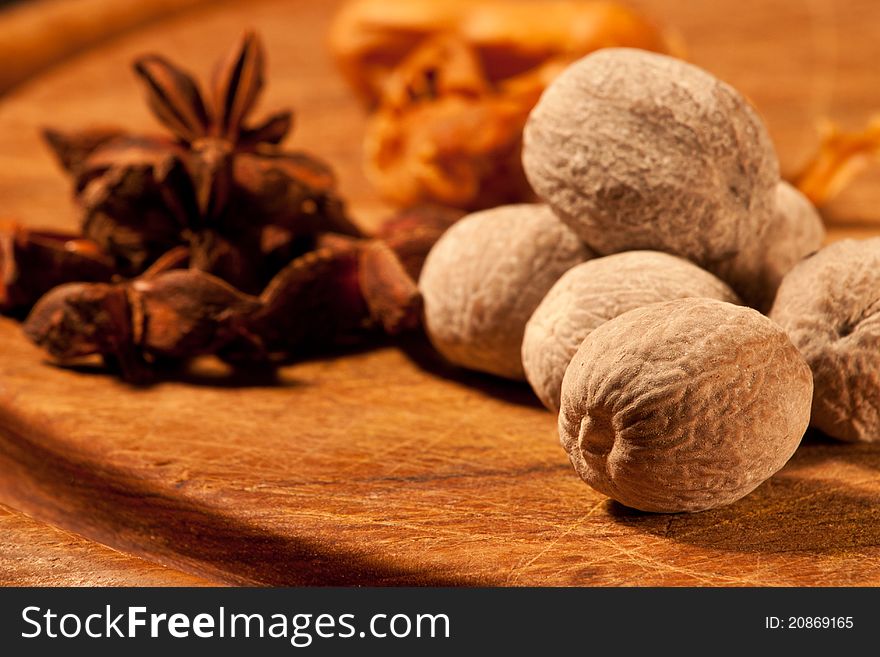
x=636 y=150
x=596 y=291
x=796 y=231
x=484 y=278
x=684 y=405
x=830 y=306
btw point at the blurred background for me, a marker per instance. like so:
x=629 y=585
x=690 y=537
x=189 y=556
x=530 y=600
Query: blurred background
x=801 y=63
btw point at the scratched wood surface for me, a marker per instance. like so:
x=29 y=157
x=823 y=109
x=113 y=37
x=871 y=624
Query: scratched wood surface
x=385 y=466
x=35 y=554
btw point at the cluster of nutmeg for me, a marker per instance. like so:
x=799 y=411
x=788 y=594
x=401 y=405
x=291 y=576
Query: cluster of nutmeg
x=624 y=298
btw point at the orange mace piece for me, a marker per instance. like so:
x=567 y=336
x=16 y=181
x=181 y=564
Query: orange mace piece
x=840 y=157
x=452 y=83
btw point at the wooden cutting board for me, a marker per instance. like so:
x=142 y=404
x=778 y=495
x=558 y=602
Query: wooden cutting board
x=386 y=466
x=35 y=554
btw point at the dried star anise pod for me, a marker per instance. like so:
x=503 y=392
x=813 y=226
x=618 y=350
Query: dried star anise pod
x=337 y=293
x=210 y=241
x=167 y=313
x=412 y=232
x=334 y=294
x=217 y=184
x=33 y=262
x=348 y=288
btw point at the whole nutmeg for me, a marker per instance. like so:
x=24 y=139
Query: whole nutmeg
x=684 y=405
x=830 y=306
x=795 y=232
x=596 y=291
x=635 y=150
x=484 y=278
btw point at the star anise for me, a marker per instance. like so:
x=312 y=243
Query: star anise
x=167 y=313
x=218 y=184
x=334 y=294
x=212 y=240
x=33 y=262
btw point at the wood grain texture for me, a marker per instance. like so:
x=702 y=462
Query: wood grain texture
x=386 y=466
x=35 y=554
